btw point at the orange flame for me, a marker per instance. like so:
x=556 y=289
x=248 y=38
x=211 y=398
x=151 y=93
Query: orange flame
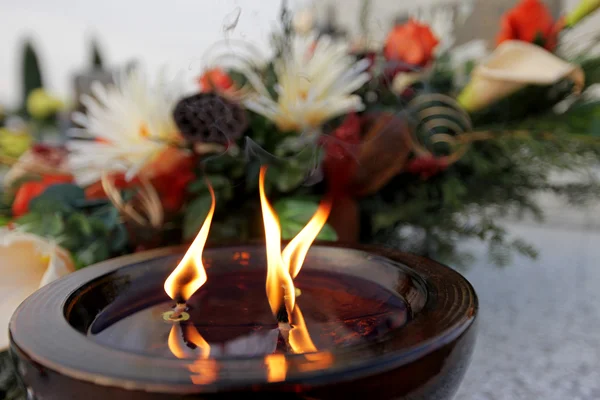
x=299 y=339
x=204 y=369
x=283 y=267
x=190 y=274
x=301 y=343
x=280 y=286
x=176 y=343
x=276 y=367
x=180 y=349
x=295 y=252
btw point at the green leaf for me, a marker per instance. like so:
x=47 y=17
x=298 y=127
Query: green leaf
x=95 y=252
x=53 y=225
x=43 y=204
x=295 y=209
x=119 y=238
x=29 y=219
x=108 y=216
x=79 y=224
x=195 y=214
x=62 y=197
x=295 y=213
x=222 y=186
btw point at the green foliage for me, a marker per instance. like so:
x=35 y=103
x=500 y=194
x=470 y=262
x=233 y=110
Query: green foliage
x=61 y=213
x=528 y=102
x=294 y=214
x=31 y=74
x=195 y=215
x=591 y=69
x=499 y=176
x=58 y=198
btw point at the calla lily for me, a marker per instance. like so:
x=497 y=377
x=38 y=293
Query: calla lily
x=28 y=263
x=583 y=9
x=513 y=66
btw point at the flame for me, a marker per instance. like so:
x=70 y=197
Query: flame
x=190 y=274
x=299 y=338
x=295 y=252
x=280 y=286
x=176 y=343
x=204 y=369
x=180 y=349
x=195 y=337
x=276 y=367
x=283 y=267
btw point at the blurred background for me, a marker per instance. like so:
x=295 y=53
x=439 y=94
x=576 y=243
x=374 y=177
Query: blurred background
x=177 y=34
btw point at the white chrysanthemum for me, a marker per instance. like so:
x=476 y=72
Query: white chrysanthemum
x=129 y=123
x=316 y=80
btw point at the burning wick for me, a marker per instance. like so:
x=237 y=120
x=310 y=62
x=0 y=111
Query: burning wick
x=178 y=313
x=284 y=266
x=189 y=275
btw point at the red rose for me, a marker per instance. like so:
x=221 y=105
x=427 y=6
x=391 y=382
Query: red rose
x=30 y=190
x=215 y=79
x=529 y=21
x=412 y=43
x=170 y=174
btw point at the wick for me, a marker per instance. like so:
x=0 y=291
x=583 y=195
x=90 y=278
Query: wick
x=282 y=315
x=284 y=331
x=178 y=311
x=284 y=327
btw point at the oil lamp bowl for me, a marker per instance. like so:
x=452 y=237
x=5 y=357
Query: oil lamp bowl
x=387 y=325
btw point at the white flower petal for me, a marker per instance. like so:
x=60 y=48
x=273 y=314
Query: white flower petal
x=315 y=82
x=28 y=262
x=132 y=121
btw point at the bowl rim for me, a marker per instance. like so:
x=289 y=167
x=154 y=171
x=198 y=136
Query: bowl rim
x=450 y=310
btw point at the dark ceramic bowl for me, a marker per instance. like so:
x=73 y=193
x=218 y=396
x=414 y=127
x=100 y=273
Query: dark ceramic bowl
x=387 y=325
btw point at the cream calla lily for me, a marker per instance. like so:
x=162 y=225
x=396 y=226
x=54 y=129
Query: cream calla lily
x=513 y=66
x=28 y=263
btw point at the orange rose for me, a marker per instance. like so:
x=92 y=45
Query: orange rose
x=170 y=174
x=215 y=79
x=530 y=21
x=30 y=190
x=412 y=43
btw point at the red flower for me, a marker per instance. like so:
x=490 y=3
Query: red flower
x=49 y=155
x=426 y=166
x=30 y=190
x=340 y=160
x=529 y=21
x=215 y=79
x=411 y=43
x=170 y=174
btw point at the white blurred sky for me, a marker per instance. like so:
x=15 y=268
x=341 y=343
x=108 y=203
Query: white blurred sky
x=174 y=33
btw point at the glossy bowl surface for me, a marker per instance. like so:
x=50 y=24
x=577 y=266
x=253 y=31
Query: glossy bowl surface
x=424 y=357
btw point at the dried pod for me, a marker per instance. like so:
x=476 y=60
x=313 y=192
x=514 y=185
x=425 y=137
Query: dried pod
x=210 y=118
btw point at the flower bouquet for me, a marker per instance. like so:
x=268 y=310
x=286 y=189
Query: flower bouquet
x=410 y=155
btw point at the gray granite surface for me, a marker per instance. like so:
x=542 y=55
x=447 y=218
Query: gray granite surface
x=539 y=334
